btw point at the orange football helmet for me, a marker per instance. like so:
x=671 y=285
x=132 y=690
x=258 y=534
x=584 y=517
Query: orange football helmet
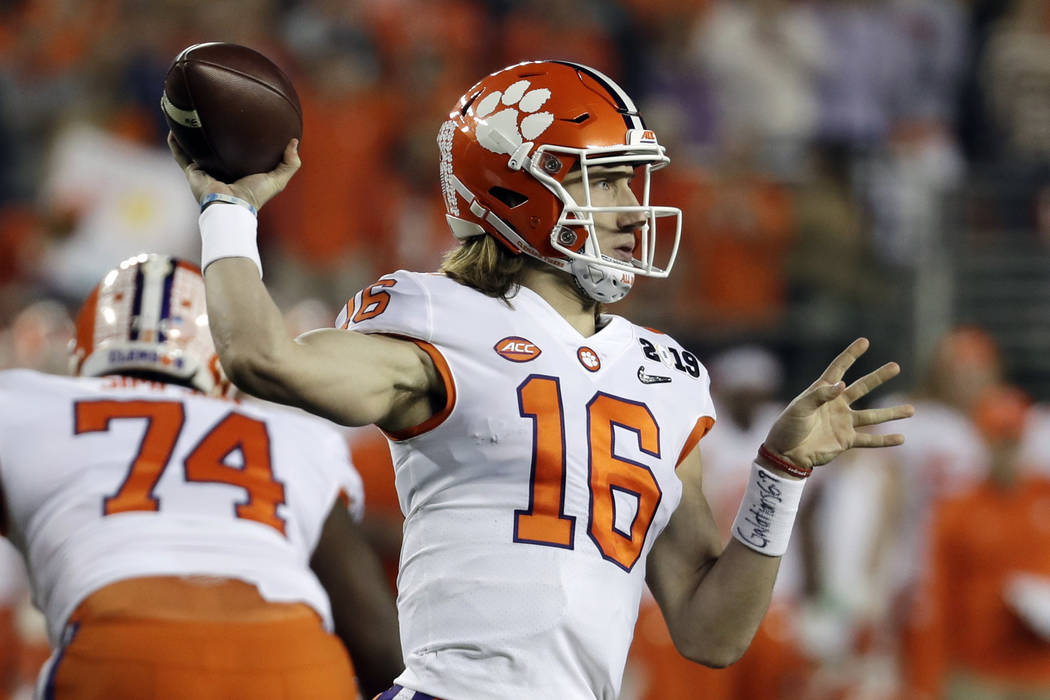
x=507 y=147
x=149 y=315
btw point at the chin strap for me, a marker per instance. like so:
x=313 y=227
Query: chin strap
x=600 y=284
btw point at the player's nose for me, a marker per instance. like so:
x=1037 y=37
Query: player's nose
x=631 y=219
x=625 y=196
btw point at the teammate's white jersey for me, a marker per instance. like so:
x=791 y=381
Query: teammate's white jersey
x=728 y=453
x=112 y=478
x=533 y=497
x=943 y=456
x=1035 y=441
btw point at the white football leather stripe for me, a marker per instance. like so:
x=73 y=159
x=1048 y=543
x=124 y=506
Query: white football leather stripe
x=185 y=117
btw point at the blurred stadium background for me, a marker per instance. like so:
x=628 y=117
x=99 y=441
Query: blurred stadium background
x=846 y=167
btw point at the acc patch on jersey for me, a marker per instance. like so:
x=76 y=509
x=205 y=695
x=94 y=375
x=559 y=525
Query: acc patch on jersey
x=516 y=349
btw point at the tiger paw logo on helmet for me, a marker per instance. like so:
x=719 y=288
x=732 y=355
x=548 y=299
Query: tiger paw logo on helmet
x=501 y=132
x=509 y=145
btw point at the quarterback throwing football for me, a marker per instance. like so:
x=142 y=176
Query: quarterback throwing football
x=545 y=451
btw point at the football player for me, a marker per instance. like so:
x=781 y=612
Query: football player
x=180 y=544
x=545 y=451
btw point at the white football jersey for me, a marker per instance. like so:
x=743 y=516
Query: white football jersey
x=1035 y=441
x=942 y=456
x=534 y=495
x=112 y=478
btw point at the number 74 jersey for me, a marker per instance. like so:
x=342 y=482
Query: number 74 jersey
x=111 y=478
x=534 y=495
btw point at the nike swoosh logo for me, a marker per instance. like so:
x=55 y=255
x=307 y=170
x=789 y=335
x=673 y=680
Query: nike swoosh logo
x=651 y=378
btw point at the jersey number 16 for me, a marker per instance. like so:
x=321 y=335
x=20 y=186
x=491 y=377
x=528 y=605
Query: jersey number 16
x=544 y=521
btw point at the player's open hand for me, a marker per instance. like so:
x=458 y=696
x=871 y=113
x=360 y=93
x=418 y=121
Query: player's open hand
x=819 y=424
x=257 y=189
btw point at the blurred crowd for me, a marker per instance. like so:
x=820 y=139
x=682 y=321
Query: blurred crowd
x=813 y=142
x=814 y=145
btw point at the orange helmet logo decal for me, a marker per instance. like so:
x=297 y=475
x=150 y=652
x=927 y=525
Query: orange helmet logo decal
x=502 y=131
x=516 y=349
x=589 y=358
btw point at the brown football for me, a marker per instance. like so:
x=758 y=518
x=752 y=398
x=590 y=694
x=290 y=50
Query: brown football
x=231 y=109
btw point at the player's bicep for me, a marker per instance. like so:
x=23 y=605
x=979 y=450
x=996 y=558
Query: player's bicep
x=355 y=378
x=688 y=546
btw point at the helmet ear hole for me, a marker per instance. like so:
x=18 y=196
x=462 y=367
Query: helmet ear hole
x=510 y=198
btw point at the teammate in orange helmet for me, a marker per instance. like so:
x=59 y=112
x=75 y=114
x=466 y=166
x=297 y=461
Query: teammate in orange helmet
x=181 y=544
x=545 y=451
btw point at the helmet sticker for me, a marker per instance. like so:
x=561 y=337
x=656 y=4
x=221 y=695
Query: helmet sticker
x=499 y=132
x=448 y=129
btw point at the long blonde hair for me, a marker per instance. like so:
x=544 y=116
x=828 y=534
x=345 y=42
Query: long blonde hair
x=482 y=263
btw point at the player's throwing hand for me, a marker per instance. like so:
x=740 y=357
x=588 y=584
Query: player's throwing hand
x=256 y=189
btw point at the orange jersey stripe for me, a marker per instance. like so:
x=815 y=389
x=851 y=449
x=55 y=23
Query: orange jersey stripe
x=698 y=432
x=450 y=394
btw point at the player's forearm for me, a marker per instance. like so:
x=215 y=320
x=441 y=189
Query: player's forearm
x=713 y=597
x=721 y=608
x=247 y=327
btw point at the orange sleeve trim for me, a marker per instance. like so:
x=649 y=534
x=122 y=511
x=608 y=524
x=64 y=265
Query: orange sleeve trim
x=699 y=430
x=344 y=498
x=450 y=394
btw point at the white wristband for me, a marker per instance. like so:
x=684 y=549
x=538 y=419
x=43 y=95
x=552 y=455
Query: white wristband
x=228 y=231
x=767 y=512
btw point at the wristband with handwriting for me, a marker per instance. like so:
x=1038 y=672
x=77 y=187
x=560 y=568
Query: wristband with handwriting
x=767 y=512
